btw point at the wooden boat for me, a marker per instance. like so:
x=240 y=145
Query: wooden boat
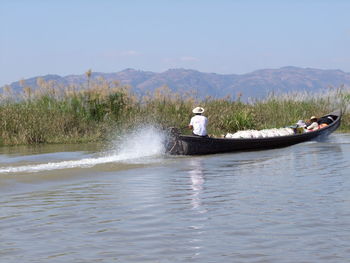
x=195 y=145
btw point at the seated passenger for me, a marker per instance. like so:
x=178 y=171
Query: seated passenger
x=326 y=120
x=301 y=123
x=300 y=126
x=314 y=124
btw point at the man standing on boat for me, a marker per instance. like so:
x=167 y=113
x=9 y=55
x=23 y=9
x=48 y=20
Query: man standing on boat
x=198 y=123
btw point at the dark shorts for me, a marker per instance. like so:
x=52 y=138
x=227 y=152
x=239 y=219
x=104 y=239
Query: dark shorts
x=205 y=136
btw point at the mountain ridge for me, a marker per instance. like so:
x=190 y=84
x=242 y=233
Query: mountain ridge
x=256 y=84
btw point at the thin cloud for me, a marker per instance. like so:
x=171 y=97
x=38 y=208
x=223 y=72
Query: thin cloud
x=129 y=53
x=118 y=53
x=188 y=58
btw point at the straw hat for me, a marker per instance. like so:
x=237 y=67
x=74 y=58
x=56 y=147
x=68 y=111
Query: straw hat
x=198 y=110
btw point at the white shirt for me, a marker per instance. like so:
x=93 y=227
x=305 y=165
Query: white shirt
x=199 y=124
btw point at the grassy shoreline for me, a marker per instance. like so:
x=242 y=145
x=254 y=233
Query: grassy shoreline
x=56 y=114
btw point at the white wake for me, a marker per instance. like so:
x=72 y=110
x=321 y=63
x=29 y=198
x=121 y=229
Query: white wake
x=140 y=144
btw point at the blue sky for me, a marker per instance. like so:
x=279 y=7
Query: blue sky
x=64 y=37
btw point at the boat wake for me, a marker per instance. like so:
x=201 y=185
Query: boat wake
x=139 y=146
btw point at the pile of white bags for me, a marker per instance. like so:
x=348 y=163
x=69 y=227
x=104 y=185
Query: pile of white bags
x=266 y=133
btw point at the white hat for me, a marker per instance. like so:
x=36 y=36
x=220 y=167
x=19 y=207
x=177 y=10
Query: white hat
x=313 y=117
x=198 y=110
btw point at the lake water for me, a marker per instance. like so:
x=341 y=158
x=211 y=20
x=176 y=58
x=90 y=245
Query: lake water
x=129 y=202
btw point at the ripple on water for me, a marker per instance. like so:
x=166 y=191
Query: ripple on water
x=283 y=205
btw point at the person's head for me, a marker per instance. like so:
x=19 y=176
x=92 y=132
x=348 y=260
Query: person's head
x=198 y=110
x=313 y=118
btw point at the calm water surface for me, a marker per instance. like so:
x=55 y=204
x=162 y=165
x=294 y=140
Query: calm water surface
x=86 y=204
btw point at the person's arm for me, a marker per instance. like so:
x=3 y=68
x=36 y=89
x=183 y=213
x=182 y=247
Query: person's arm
x=190 y=126
x=313 y=125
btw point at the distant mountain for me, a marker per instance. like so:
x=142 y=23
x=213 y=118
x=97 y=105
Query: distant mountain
x=256 y=84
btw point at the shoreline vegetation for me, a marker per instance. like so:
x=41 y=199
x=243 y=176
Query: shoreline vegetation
x=98 y=110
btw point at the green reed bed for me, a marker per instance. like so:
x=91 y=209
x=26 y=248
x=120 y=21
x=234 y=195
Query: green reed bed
x=57 y=114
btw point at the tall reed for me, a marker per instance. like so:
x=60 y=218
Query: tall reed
x=54 y=113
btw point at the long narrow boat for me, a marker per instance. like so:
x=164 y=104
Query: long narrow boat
x=195 y=145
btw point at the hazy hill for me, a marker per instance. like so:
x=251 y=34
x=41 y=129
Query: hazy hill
x=256 y=84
